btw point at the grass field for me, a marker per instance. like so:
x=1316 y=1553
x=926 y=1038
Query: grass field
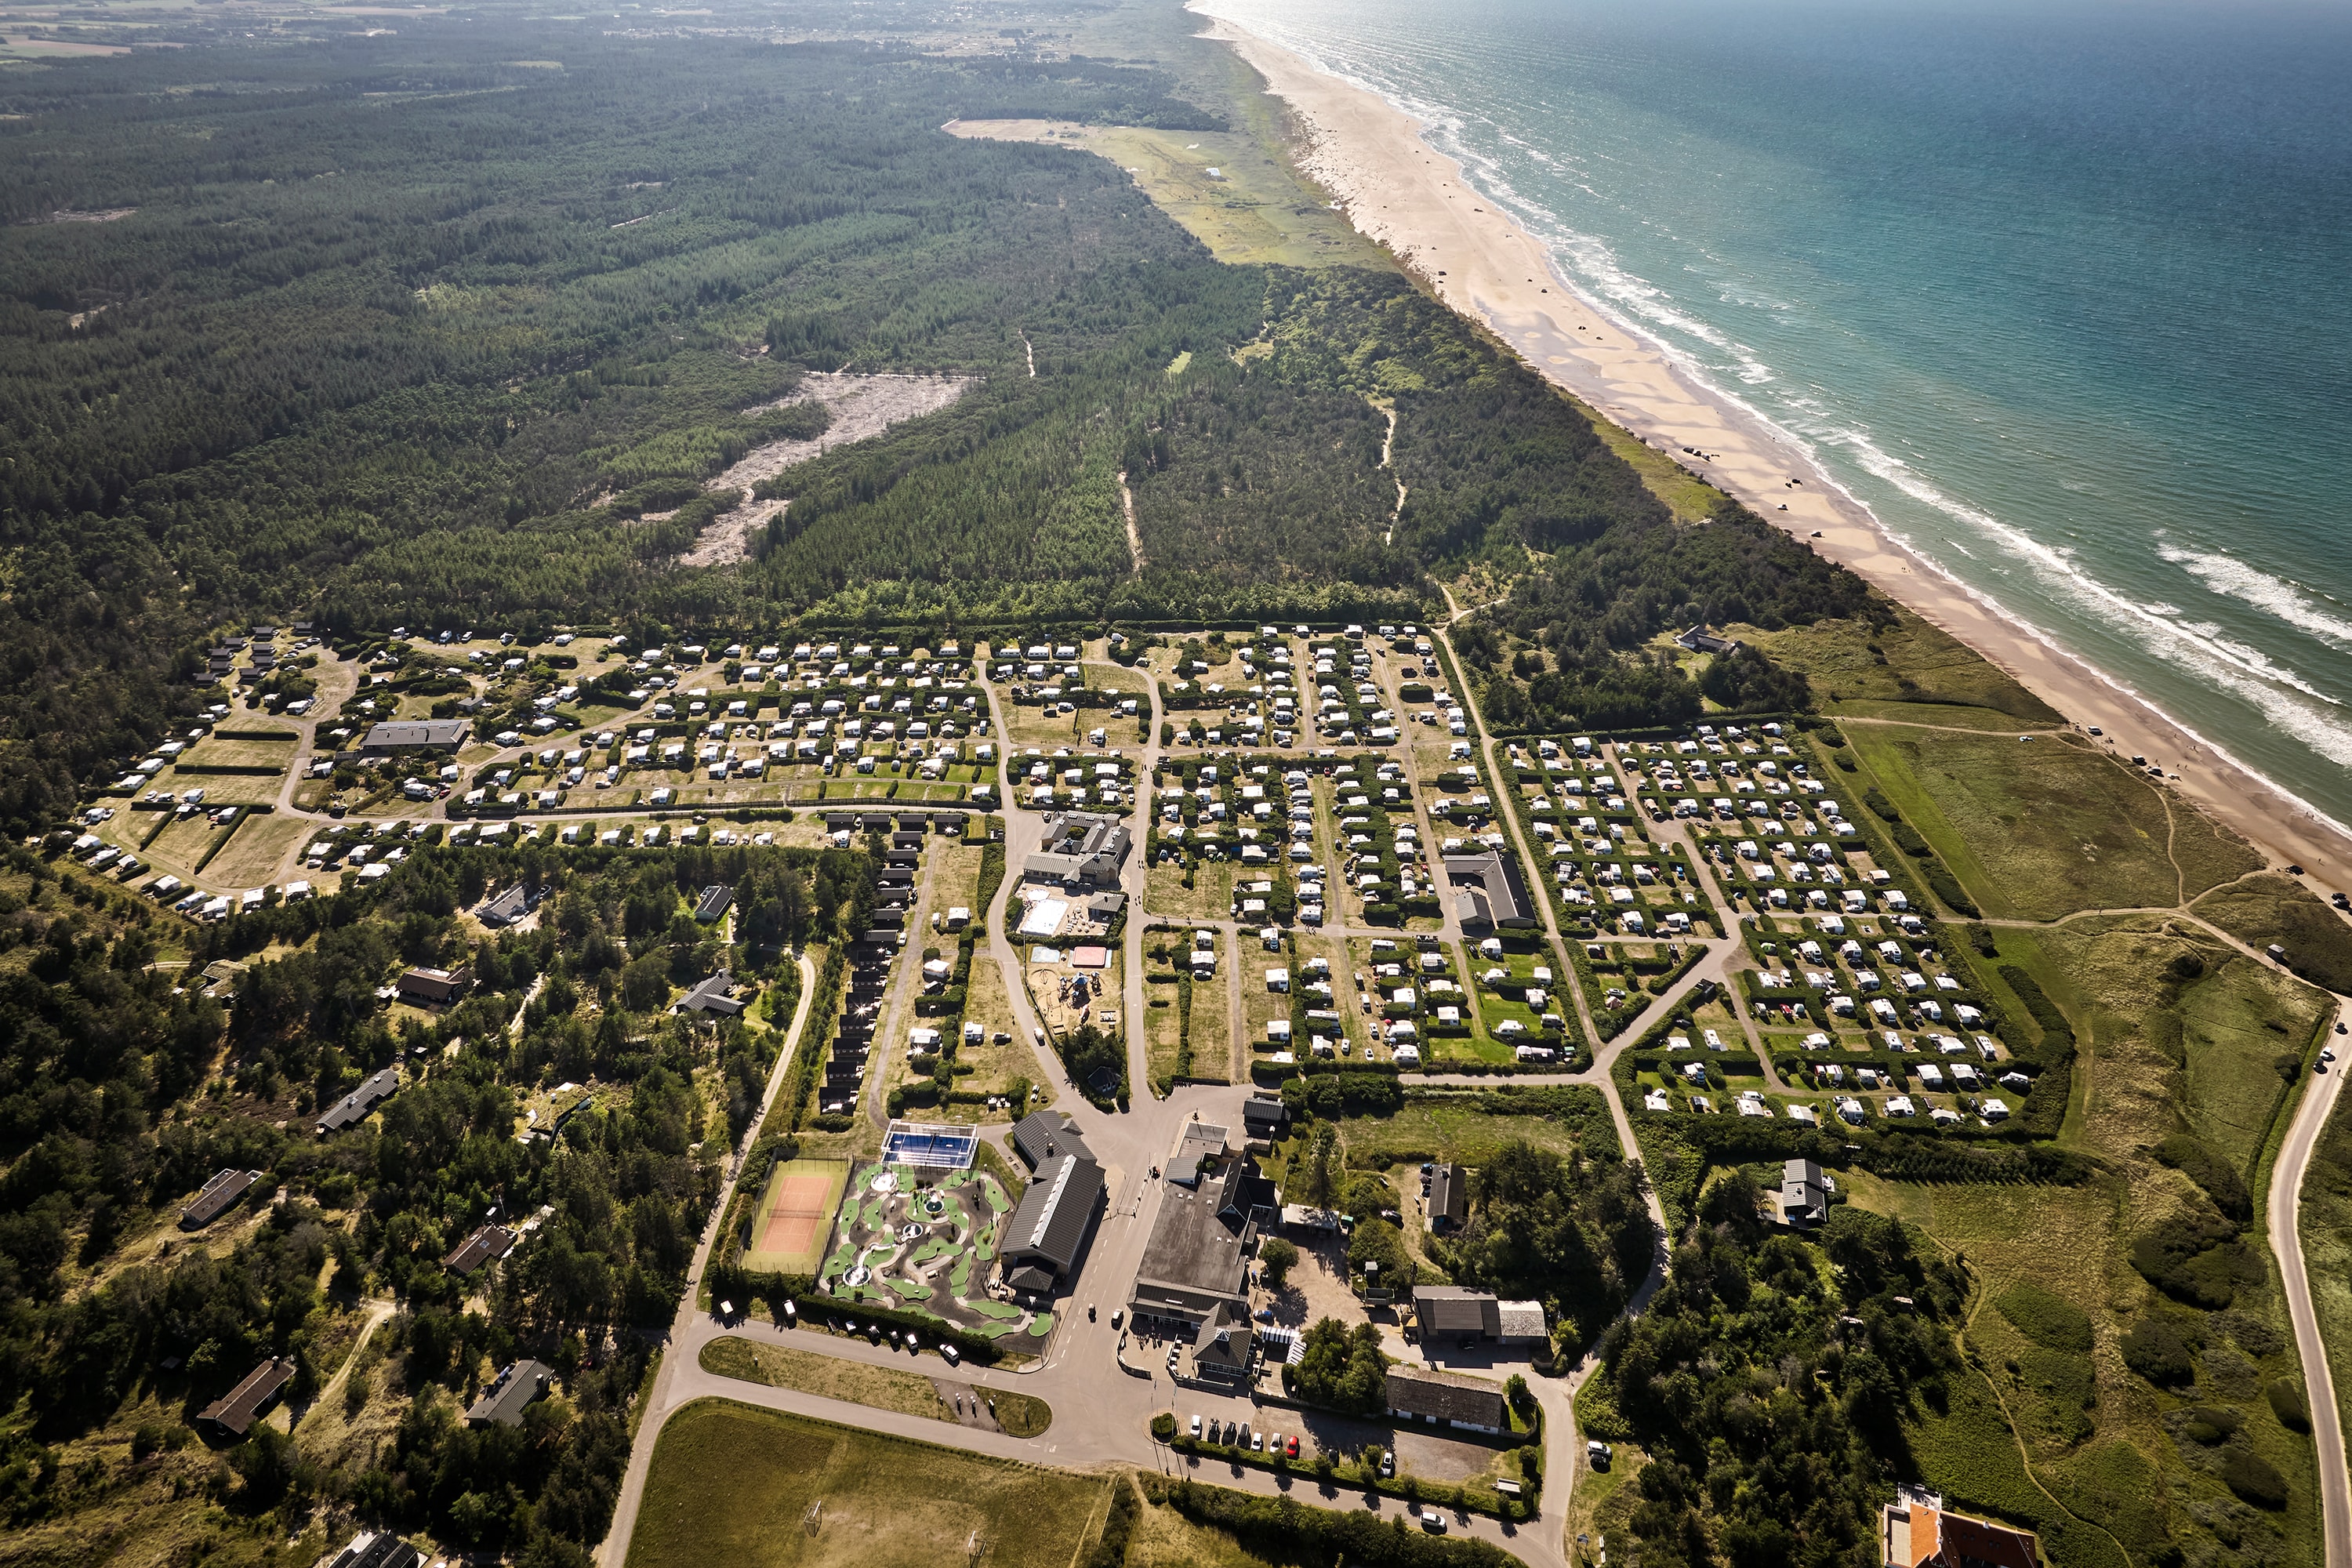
x=254 y=850
x=756 y=1488
x=1163 y=1025
x=1211 y=897
x=2043 y=828
x=239 y=752
x=794 y=1218
x=1432 y=1129
x=883 y=1387
x=1909 y=661
x=995 y=1069
x=1166 y=1539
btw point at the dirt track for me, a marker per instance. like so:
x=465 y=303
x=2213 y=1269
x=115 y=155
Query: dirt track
x=863 y=406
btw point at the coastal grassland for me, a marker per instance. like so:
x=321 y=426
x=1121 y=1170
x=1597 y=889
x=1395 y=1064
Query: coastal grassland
x=2080 y=1290
x=2326 y=1231
x=731 y=1483
x=883 y=1387
x=2269 y=908
x=1690 y=500
x=2040 y=828
x=1852 y=660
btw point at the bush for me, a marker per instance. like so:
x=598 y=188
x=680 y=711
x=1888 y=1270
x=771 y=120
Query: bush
x=2156 y=1351
x=2049 y=1321
x=1164 y=1428
x=2253 y=1479
x=2288 y=1405
x=2209 y=1169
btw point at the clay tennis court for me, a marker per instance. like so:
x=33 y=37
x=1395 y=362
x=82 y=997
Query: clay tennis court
x=794 y=1218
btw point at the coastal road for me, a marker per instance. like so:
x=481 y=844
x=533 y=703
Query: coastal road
x=2284 y=1213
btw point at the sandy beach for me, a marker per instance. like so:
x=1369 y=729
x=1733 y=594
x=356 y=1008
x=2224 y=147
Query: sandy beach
x=1369 y=155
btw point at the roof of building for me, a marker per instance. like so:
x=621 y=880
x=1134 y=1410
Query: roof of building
x=1201 y=1142
x=503 y=1401
x=217 y=1196
x=1495 y=875
x=1456 y=1310
x=378 y=1549
x=1264 y=1110
x=438 y=983
x=1448 y=1396
x=394 y=734
x=1049 y=1224
x=711 y=997
x=1449 y=1195
x=507 y=908
x=1042 y=1134
x=235 y=1411
x=1804 y=1197
x=1917 y=1532
x=1223 y=1341
x=357 y=1105
x=713 y=903
x=1194 y=1259
x=1521 y=1320
x=490 y=1241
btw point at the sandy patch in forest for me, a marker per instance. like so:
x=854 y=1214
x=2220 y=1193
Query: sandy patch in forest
x=863 y=406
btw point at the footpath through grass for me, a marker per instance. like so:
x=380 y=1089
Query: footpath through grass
x=857 y=1382
x=759 y=1489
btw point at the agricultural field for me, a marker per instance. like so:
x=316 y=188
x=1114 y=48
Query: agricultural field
x=807 y=1494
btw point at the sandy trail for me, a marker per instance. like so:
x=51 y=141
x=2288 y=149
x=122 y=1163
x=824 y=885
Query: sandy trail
x=863 y=406
x=1402 y=194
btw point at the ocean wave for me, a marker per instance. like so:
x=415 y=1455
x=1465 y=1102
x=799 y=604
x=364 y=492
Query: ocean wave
x=2250 y=584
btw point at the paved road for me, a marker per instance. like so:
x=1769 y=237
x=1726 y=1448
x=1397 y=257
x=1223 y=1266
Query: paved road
x=2284 y=1216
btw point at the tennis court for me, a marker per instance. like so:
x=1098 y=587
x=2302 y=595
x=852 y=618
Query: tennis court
x=929 y=1146
x=794 y=1219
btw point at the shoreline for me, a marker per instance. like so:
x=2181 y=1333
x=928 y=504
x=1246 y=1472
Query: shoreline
x=1413 y=200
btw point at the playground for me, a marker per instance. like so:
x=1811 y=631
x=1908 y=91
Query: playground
x=795 y=1210
x=925 y=1241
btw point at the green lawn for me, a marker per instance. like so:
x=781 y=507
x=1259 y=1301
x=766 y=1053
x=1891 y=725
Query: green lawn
x=757 y=1488
x=883 y=1387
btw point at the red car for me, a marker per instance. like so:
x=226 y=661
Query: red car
x=1290 y=1447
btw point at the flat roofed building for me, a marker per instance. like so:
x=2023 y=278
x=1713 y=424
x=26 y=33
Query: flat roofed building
x=1040 y=1242
x=360 y=1104
x=235 y=1412
x=1192 y=1264
x=1522 y=1321
x=1915 y=1530
x=487 y=1244
x=414 y=735
x=1445 y=1399
x=218 y=1197
x=1200 y=1146
x=503 y=1402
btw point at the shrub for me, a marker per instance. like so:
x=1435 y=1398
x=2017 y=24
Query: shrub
x=2211 y=1170
x=2288 y=1405
x=1277 y=1257
x=2156 y=1351
x=2253 y=1479
x=1164 y=1428
x=2047 y=1319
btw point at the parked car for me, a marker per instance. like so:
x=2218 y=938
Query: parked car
x=1432 y=1521
x=1196 y=1426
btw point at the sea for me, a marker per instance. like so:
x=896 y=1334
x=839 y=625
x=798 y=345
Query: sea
x=2061 y=292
